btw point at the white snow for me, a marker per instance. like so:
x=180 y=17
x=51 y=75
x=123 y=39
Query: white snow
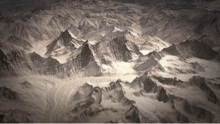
x=116 y=29
x=145 y=52
x=123 y=68
x=39 y=47
x=134 y=33
x=62 y=59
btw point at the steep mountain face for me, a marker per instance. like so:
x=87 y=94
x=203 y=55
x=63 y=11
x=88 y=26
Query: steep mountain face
x=84 y=61
x=201 y=82
x=85 y=56
x=19 y=43
x=118 y=49
x=135 y=61
x=178 y=99
x=20 y=60
x=208 y=28
x=193 y=48
x=16 y=62
x=149 y=61
x=6 y=67
x=142 y=30
x=52 y=65
x=88 y=104
x=63 y=45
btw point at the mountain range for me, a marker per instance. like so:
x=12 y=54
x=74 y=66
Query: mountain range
x=136 y=61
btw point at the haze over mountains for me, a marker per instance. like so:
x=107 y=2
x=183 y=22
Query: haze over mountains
x=135 y=61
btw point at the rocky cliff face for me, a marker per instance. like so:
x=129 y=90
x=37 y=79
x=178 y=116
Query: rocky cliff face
x=6 y=67
x=192 y=48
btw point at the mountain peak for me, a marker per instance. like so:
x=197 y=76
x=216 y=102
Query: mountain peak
x=66 y=37
x=63 y=44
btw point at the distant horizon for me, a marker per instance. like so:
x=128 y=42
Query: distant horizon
x=14 y=5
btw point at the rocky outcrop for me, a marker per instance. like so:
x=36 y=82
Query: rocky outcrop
x=19 y=42
x=192 y=49
x=115 y=93
x=168 y=81
x=8 y=93
x=148 y=61
x=149 y=85
x=208 y=28
x=119 y=49
x=198 y=112
x=15 y=116
x=85 y=103
x=48 y=66
x=190 y=111
x=6 y=68
x=83 y=92
x=133 y=115
x=181 y=118
x=85 y=57
x=88 y=102
x=162 y=95
x=21 y=61
x=201 y=83
x=63 y=44
x=84 y=61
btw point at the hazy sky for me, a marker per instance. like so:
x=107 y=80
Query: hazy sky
x=20 y=4
x=27 y=4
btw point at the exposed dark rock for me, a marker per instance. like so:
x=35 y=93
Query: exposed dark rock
x=66 y=37
x=48 y=66
x=119 y=49
x=97 y=95
x=168 y=81
x=1 y=118
x=201 y=83
x=20 y=60
x=171 y=50
x=192 y=48
x=133 y=115
x=85 y=56
x=8 y=93
x=19 y=42
x=83 y=106
x=64 y=40
x=149 y=85
x=182 y=118
x=15 y=116
x=6 y=68
x=83 y=92
x=200 y=113
x=162 y=96
x=84 y=61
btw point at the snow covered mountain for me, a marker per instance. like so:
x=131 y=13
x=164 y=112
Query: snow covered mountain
x=135 y=61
